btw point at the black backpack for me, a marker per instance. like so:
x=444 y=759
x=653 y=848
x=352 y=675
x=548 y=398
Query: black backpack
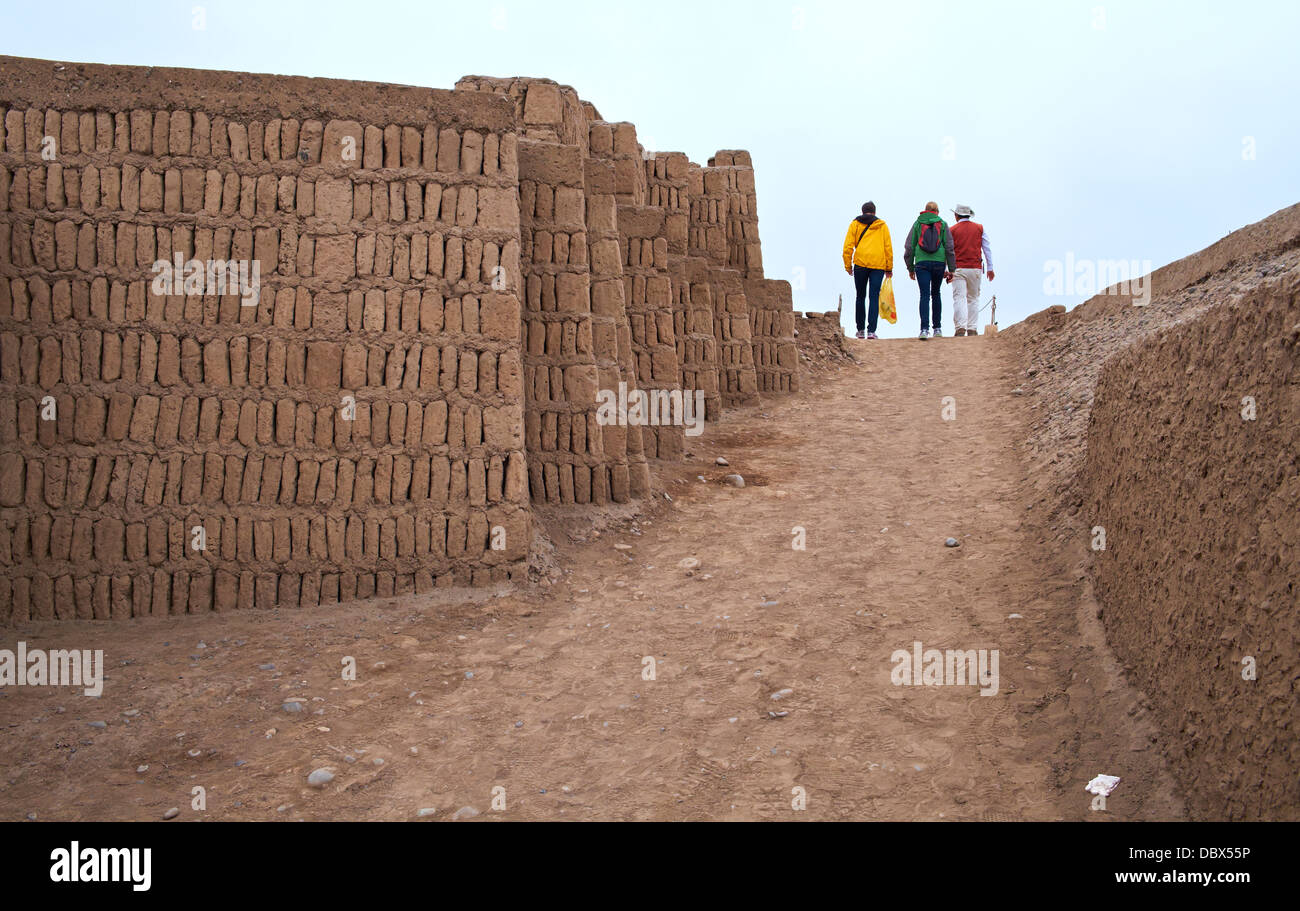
x=929 y=237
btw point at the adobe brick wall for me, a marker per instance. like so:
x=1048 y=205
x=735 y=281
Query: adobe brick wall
x=684 y=242
x=567 y=462
x=776 y=356
x=447 y=280
x=176 y=412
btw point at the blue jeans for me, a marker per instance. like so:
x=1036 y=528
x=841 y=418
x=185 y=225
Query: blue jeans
x=930 y=277
x=863 y=277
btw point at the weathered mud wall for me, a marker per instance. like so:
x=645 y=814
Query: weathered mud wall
x=354 y=429
x=673 y=261
x=437 y=288
x=1193 y=470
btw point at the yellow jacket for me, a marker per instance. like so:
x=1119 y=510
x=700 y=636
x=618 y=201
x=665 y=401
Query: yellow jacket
x=875 y=252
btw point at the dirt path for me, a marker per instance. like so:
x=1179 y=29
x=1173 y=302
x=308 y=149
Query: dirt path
x=543 y=693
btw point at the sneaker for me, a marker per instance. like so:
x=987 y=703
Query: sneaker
x=860 y=334
x=938 y=333
x=959 y=333
x=971 y=332
x=871 y=335
x=925 y=334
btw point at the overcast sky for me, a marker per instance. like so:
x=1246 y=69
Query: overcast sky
x=1140 y=130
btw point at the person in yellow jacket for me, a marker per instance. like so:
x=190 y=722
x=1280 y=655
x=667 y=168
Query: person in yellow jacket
x=869 y=258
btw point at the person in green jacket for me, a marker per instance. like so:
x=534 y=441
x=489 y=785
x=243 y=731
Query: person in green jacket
x=930 y=258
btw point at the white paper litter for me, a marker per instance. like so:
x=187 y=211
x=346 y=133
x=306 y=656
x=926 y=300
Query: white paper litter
x=1102 y=785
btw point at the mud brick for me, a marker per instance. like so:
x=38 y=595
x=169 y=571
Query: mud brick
x=516 y=478
x=209 y=419
x=379 y=423
x=55 y=197
x=79 y=469
x=310 y=591
x=169 y=420
x=402 y=259
x=276 y=355
x=366 y=254
x=200 y=594
x=109 y=534
x=87 y=196
x=39 y=539
x=144 y=419
x=354 y=366
x=84 y=595
x=342 y=144
x=388 y=541
x=285 y=417
x=20 y=595
x=137 y=541
x=397 y=203
x=155 y=483
x=409 y=139
x=100 y=598
x=41 y=597
x=335 y=257
x=280 y=540
x=191 y=480
x=392 y=147
x=136 y=468
x=414 y=202
x=51 y=362
x=14 y=132
x=353 y=539
x=304 y=425
x=499 y=316
x=213 y=478
x=191 y=360
x=366 y=586
x=110 y=188
x=171 y=199
x=473 y=424
x=495 y=479
x=142 y=132
x=265 y=421
x=370 y=149
x=131 y=357
x=119 y=415
x=282 y=308
x=99 y=481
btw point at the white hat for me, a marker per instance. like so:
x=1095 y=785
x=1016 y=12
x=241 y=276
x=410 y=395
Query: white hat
x=963 y=211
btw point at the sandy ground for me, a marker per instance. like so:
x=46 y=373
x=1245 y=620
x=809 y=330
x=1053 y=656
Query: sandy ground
x=543 y=692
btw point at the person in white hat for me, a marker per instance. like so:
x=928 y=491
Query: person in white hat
x=974 y=256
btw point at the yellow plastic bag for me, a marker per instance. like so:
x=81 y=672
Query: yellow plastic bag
x=887 y=308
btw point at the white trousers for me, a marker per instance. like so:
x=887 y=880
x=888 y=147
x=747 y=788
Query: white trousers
x=966 y=299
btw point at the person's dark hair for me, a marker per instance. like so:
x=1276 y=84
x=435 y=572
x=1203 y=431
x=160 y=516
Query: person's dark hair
x=963 y=217
x=868 y=208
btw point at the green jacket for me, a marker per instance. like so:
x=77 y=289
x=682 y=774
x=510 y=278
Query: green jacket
x=913 y=254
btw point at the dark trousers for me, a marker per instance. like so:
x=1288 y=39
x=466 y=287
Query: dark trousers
x=863 y=279
x=930 y=277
